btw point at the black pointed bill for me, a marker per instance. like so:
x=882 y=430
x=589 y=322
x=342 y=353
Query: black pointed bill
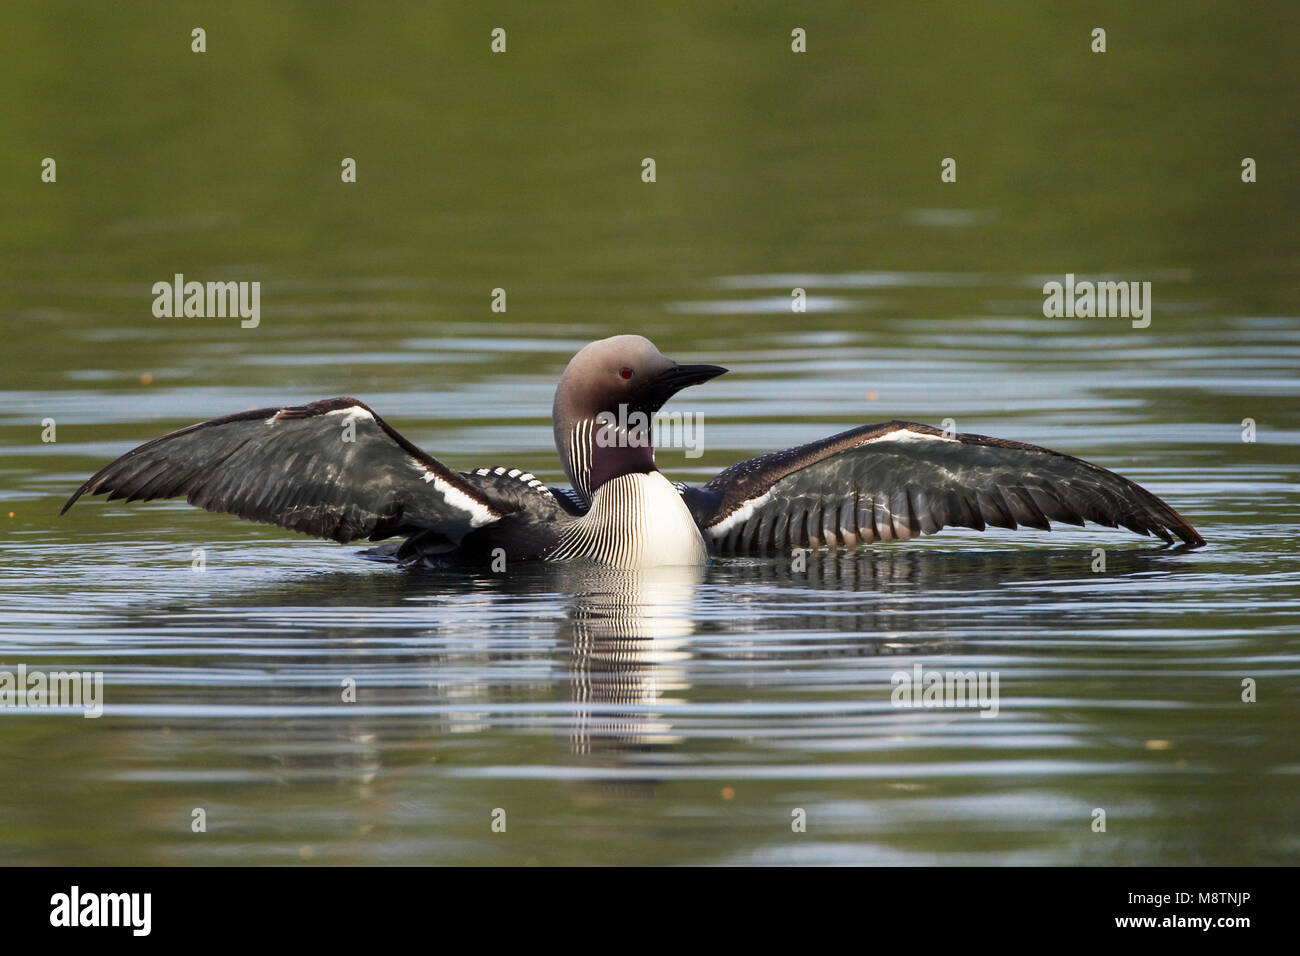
x=652 y=397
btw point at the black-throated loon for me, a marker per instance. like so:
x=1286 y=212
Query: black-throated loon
x=295 y=468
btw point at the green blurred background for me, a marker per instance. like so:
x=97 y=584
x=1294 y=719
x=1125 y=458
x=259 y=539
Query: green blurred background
x=522 y=170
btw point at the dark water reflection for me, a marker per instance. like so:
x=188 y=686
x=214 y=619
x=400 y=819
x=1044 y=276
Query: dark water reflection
x=687 y=711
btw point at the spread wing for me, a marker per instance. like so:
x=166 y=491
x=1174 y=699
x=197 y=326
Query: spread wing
x=333 y=469
x=893 y=481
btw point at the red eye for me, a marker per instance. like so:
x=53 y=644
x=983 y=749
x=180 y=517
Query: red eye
x=625 y=372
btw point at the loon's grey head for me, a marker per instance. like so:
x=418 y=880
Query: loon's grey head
x=604 y=403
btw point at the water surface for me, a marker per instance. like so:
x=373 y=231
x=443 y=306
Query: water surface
x=673 y=717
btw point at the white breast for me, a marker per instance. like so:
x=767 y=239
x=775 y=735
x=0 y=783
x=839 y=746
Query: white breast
x=635 y=521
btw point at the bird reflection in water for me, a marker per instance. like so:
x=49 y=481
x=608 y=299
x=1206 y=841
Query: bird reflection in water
x=629 y=634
